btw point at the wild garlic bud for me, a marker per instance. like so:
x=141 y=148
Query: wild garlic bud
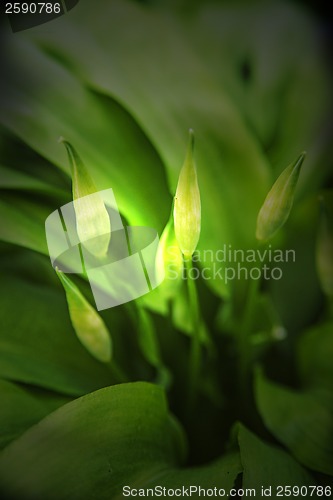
x=169 y=260
x=187 y=206
x=87 y=323
x=324 y=254
x=278 y=203
x=92 y=219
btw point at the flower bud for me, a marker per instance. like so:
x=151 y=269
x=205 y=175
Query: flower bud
x=169 y=261
x=87 y=323
x=187 y=206
x=277 y=205
x=92 y=219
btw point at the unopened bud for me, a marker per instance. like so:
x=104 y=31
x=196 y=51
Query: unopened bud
x=87 y=323
x=92 y=219
x=187 y=206
x=278 y=203
x=169 y=260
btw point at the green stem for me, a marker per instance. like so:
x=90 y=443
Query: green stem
x=330 y=308
x=118 y=373
x=195 y=351
x=245 y=330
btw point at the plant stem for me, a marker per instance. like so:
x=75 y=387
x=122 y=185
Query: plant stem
x=118 y=373
x=195 y=351
x=330 y=307
x=245 y=330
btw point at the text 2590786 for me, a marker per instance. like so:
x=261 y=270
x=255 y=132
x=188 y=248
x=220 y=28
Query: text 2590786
x=33 y=8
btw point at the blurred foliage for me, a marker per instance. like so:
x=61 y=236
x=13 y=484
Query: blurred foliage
x=123 y=82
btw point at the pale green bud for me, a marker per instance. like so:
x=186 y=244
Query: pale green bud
x=92 y=219
x=187 y=206
x=87 y=323
x=325 y=252
x=169 y=260
x=278 y=203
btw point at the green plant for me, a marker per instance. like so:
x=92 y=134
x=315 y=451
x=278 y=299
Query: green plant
x=220 y=381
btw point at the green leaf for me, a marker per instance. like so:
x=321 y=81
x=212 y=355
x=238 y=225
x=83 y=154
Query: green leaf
x=315 y=355
x=145 y=332
x=324 y=254
x=148 y=341
x=14 y=179
x=23 y=222
x=21 y=408
x=295 y=283
x=220 y=474
x=117 y=152
x=37 y=342
x=163 y=106
x=299 y=420
x=272 y=84
x=96 y=445
x=267 y=466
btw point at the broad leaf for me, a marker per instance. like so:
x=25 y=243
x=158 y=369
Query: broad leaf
x=93 y=447
x=22 y=407
x=299 y=420
x=269 y=467
x=315 y=355
x=37 y=341
x=14 y=179
x=114 y=149
x=22 y=222
x=270 y=78
x=165 y=100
